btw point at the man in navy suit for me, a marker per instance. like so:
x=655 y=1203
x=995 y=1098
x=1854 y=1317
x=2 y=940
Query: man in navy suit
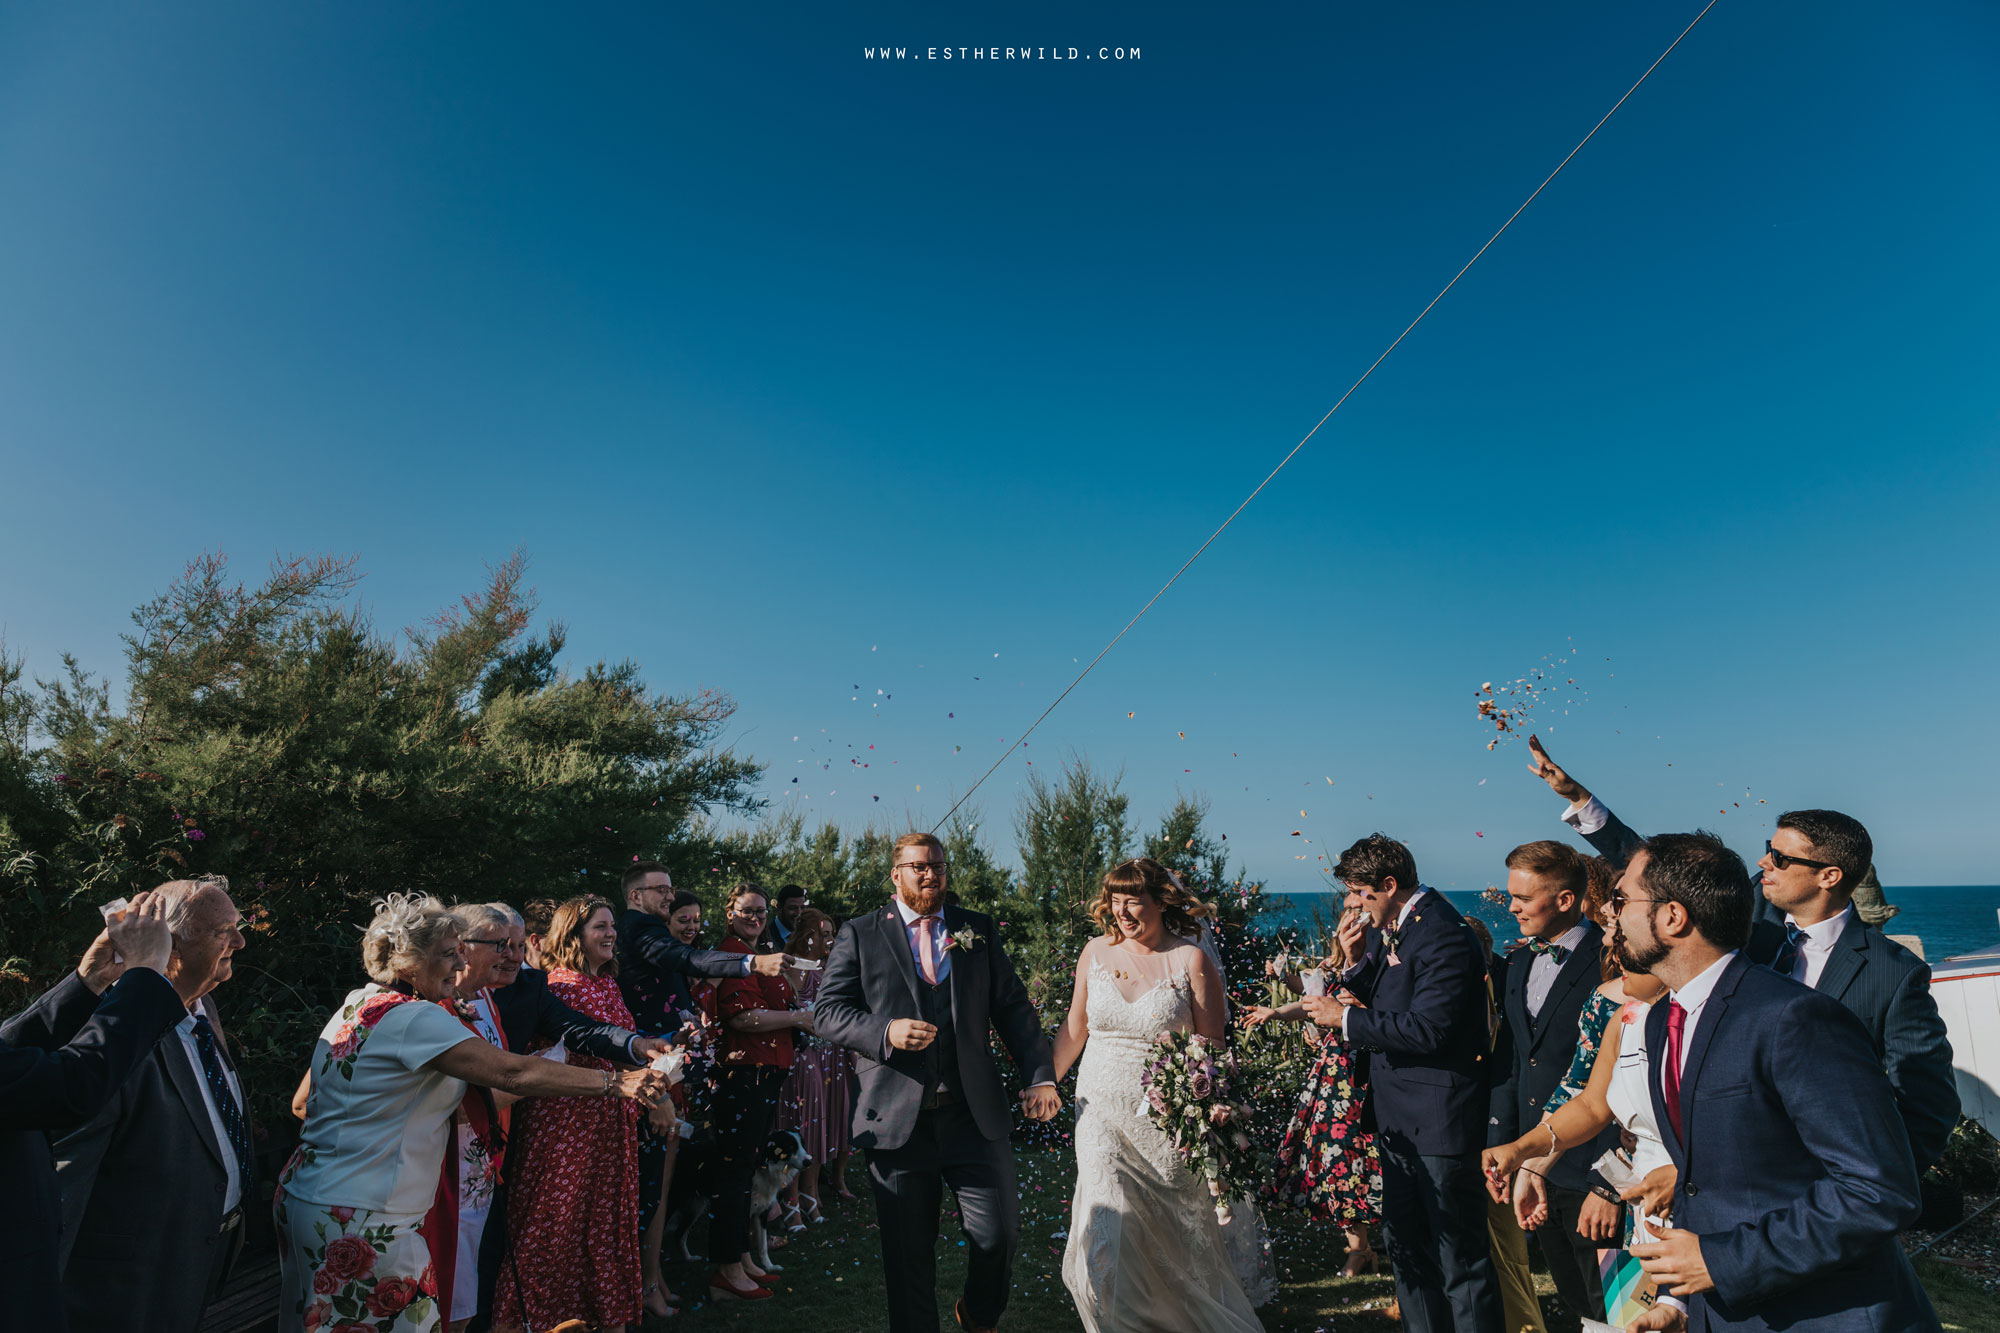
x=1548 y=979
x=1795 y=1172
x=1805 y=924
x=1415 y=1012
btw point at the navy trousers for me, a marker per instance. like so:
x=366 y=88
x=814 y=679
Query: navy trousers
x=1434 y=1220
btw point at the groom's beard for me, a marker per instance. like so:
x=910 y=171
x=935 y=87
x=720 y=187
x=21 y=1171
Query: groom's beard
x=923 y=901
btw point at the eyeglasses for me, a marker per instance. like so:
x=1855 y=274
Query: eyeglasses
x=1618 y=901
x=750 y=913
x=504 y=946
x=1784 y=862
x=918 y=868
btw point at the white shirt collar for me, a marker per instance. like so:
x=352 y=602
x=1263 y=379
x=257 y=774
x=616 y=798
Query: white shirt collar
x=1695 y=993
x=1404 y=915
x=1821 y=936
x=1572 y=937
x=909 y=914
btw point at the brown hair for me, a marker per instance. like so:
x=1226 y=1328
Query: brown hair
x=1142 y=874
x=736 y=891
x=1603 y=879
x=909 y=840
x=536 y=914
x=1376 y=859
x=805 y=928
x=562 y=945
x=638 y=870
x=1559 y=864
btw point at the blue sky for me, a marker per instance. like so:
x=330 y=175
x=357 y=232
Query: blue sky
x=805 y=376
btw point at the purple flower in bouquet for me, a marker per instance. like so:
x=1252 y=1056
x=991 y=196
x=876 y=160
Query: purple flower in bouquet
x=1201 y=1084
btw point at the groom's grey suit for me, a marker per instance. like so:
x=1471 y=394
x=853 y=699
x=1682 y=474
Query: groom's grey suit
x=937 y=1115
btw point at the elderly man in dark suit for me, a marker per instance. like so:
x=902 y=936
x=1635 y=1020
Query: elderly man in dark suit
x=1795 y=1172
x=154 y=1186
x=60 y=1060
x=1548 y=979
x=1415 y=1009
x=914 y=989
x=1806 y=925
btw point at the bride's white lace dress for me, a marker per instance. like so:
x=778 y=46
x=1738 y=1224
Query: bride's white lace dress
x=1145 y=1252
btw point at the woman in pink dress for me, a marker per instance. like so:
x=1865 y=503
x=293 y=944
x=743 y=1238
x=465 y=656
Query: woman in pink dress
x=573 y=1164
x=818 y=1097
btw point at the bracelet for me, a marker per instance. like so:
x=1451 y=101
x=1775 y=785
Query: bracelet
x=608 y=1080
x=1554 y=1145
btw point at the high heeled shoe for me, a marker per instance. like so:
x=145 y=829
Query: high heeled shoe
x=1361 y=1263
x=811 y=1212
x=721 y=1289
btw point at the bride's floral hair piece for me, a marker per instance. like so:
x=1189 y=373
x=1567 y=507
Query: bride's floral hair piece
x=1143 y=875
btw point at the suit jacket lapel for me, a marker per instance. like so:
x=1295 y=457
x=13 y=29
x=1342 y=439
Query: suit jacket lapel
x=898 y=938
x=1656 y=1072
x=1849 y=956
x=1580 y=967
x=187 y=1081
x=1712 y=1015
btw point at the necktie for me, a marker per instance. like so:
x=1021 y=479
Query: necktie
x=233 y=1123
x=1557 y=951
x=926 y=950
x=1670 y=1077
x=1788 y=957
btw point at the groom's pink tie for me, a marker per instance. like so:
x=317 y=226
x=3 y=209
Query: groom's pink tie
x=926 y=950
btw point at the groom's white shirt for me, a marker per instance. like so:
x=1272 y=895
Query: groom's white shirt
x=938 y=937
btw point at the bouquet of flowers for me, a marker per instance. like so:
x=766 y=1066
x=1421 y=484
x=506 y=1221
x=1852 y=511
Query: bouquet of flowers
x=1191 y=1086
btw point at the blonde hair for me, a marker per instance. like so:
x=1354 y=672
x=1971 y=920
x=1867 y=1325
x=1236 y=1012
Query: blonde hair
x=562 y=946
x=1142 y=874
x=407 y=926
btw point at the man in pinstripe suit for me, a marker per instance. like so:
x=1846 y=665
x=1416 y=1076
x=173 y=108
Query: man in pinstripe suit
x=1807 y=928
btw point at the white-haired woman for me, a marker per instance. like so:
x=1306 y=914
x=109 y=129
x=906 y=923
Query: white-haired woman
x=486 y=933
x=355 y=1208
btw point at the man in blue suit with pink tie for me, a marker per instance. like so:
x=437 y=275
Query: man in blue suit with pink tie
x=1795 y=1170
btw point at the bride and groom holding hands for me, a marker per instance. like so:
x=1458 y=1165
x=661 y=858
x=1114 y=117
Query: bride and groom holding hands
x=913 y=989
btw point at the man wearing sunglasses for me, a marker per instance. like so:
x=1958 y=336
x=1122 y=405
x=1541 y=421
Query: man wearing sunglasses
x=1807 y=927
x=1794 y=1181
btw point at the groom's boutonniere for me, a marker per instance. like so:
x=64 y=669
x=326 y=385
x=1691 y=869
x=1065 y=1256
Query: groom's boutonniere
x=963 y=939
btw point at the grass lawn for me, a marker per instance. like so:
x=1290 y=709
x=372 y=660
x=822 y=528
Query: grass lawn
x=833 y=1275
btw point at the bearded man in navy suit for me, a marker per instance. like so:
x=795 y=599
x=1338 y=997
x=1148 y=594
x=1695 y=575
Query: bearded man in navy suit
x=1414 y=1010
x=1795 y=1171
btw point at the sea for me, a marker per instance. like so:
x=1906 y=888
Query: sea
x=1949 y=919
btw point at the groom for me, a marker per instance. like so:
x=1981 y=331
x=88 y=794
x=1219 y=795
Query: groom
x=912 y=989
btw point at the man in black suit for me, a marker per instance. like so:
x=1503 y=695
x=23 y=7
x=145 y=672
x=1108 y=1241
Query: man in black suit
x=789 y=901
x=650 y=959
x=1805 y=924
x=60 y=1059
x=1548 y=980
x=1415 y=1011
x=155 y=1185
x=1795 y=1175
x=914 y=989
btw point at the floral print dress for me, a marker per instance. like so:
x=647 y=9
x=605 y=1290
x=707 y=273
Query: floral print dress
x=1328 y=1167
x=351 y=1205
x=573 y=1192
x=1590 y=1025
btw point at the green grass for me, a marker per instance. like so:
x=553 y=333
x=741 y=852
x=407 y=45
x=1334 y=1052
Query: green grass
x=832 y=1281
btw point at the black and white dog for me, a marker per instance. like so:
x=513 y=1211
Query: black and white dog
x=778 y=1165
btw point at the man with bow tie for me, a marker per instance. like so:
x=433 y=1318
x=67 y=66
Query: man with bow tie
x=1550 y=976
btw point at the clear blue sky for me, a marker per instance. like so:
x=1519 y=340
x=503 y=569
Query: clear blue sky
x=806 y=376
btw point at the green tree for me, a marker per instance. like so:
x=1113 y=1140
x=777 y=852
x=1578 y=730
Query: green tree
x=271 y=734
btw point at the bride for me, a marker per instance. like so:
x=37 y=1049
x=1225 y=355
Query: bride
x=1145 y=1252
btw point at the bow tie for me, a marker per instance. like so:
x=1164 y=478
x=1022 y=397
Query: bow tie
x=1558 y=951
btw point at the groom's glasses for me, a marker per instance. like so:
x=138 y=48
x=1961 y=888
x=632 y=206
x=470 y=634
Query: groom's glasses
x=918 y=868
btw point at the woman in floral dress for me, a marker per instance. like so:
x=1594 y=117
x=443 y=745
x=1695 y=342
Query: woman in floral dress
x=355 y=1206
x=573 y=1166
x=1327 y=1165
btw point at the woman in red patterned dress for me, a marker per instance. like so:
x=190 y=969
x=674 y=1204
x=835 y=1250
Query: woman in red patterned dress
x=573 y=1164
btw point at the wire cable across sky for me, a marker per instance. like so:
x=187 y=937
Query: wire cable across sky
x=1021 y=740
